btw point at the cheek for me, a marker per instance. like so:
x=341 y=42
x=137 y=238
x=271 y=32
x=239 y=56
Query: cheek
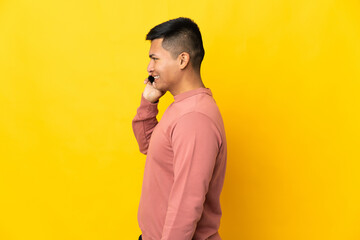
x=166 y=69
x=171 y=68
x=163 y=69
x=159 y=67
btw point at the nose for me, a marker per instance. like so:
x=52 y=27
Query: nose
x=150 y=67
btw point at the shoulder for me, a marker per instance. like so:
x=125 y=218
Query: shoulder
x=195 y=124
x=193 y=118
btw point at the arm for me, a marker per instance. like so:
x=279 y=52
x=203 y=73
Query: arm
x=144 y=123
x=196 y=142
x=145 y=120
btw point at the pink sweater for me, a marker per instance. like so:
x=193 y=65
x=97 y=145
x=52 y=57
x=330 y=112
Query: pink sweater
x=184 y=170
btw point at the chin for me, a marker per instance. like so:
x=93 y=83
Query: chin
x=158 y=87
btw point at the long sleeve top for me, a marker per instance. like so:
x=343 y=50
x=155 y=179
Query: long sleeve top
x=184 y=169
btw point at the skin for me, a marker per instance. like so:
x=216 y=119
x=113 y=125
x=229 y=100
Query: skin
x=176 y=75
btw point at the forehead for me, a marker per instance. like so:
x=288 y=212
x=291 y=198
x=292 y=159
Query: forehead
x=156 y=47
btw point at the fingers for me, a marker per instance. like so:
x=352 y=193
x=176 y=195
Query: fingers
x=146 y=81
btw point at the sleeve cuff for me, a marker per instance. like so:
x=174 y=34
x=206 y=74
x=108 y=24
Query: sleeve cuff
x=147 y=109
x=146 y=102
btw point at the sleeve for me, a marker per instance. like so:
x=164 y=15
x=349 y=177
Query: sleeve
x=144 y=123
x=196 y=142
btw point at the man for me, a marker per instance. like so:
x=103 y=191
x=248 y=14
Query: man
x=186 y=150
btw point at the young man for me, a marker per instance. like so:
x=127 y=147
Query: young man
x=186 y=150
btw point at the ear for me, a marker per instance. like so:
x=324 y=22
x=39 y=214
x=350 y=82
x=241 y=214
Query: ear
x=184 y=60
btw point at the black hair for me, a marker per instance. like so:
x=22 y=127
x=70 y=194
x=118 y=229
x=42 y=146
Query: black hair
x=180 y=35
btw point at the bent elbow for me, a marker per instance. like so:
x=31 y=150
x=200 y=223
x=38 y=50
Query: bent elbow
x=143 y=150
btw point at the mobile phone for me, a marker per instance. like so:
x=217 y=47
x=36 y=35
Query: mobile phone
x=151 y=79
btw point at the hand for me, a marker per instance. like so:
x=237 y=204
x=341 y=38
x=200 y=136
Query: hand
x=150 y=93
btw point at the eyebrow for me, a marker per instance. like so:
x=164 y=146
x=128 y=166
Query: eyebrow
x=152 y=55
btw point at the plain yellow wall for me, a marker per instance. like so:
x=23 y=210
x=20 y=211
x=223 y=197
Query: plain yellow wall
x=285 y=75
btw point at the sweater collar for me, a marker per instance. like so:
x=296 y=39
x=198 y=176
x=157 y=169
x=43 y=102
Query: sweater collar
x=191 y=93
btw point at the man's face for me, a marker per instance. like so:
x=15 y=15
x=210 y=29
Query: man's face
x=163 y=67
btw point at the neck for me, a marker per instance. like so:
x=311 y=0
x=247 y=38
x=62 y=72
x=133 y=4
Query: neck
x=188 y=81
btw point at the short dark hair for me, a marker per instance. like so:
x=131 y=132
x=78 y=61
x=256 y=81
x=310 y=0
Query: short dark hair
x=180 y=35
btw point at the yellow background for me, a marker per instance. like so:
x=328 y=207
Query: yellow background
x=284 y=73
